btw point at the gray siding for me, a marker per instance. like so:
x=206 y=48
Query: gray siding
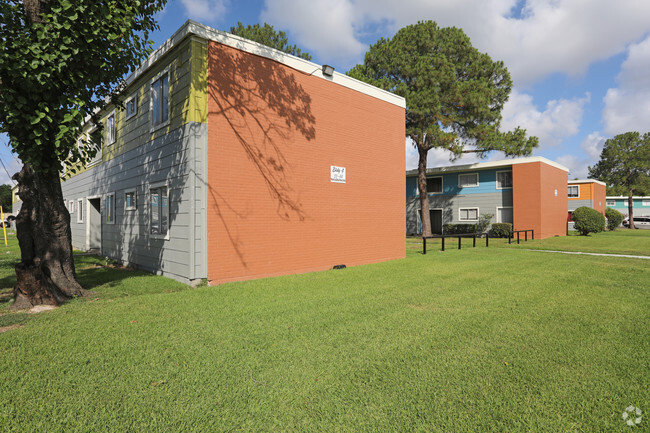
x=450 y=204
x=575 y=204
x=176 y=158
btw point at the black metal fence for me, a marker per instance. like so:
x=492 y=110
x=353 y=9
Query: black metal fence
x=474 y=236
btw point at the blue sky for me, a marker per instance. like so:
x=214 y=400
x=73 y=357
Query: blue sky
x=580 y=67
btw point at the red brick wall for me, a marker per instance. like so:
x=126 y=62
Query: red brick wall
x=535 y=202
x=273 y=133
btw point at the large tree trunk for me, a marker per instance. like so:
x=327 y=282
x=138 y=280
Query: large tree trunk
x=422 y=187
x=630 y=209
x=46 y=273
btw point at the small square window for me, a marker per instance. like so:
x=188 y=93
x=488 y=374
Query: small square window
x=504 y=179
x=80 y=210
x=130 y=200
x=470 y=179
x=645 y=202
x=574 y=191
x=131 y=106
x=610 y=203
x=468 y=214
x=110 y=209
x=434 y=185
x=110 y=129
x=159 y=211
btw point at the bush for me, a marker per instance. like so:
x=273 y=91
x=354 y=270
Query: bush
x=483 y=222
x=588 y=220
x=614 y=218
x=501 y=230
x=458 y=229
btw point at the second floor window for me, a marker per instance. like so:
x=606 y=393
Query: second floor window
x=160 y=100
x=574 y=191
x=110 y=129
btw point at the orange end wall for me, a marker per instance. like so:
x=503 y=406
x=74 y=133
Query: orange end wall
x=273 y=133
x=535 y=202
x=600 y=200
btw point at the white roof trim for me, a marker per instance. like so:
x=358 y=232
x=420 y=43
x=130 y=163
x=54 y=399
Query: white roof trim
x=193 y=28
x=490 y=164
x=625 y=197
x=587 y=181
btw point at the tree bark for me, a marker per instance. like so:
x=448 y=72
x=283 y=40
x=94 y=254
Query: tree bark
x=630 y=210
x=46 y=273
x=422 y=187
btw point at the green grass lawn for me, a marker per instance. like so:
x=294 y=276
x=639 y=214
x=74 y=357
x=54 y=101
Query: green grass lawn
x=485 y=339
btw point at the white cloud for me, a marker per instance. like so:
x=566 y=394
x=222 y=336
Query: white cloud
x=544 y=37
x=205 y=10
x=441 y=157
x=560 y=119
x=593 y=146
x=323 y=28
x=627 y=107
x=577 y=167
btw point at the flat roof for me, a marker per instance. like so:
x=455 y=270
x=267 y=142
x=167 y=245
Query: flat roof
x=588 y=181
x=490 y=164
x=193 y=28
x=625 y=197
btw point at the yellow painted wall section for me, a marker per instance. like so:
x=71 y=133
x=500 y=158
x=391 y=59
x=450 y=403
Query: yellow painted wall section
x=187 y=65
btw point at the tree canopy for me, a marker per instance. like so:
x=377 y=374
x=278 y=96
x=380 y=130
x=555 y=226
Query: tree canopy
x=60 y=61
x=5 y=198
x=624 y=166
x=454 y=94
x=267 y=35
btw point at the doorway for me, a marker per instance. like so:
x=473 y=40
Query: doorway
x=94 y=228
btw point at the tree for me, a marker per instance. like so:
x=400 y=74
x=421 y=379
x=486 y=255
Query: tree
x=454 y=95
x=5 y=198
x=267 y=35
x=60 y=62
x=614 y=218
x=624 y=166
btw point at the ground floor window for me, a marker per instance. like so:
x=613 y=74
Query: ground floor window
x=159 y=211
x=110 y=208
x=504 y=215
x=80 y=210
x=468 y=214
x=129 y=200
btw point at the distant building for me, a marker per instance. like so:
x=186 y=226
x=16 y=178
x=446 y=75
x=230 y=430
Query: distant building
x=530 y=193
x=641 y=205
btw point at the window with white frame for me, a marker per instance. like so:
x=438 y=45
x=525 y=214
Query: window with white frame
x=645 y=202
x=131 y=107
x=610 y=202
x=159 y=210
x=129 y=200
x=160 y=100
x=504 y=179
x=110 y=208
x=434 y=185
x=574 y=191
x=80 y=210
x=71 y=206
x=110 y=128
x=468 y=179
x=504 y=215
x=468 y=214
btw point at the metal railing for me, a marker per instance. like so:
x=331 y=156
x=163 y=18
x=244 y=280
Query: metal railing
x=525 y=232
x=459 y=236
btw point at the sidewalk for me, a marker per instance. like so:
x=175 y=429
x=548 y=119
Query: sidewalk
x=594 y=254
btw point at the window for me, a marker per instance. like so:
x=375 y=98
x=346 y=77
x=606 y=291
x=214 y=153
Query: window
x=90 y=143
x=504 y=179
x=504 y=215
x=110 y=209
x=574 y=191
x=434 y=185
x=610 y=203
x=131 y=106
x=71 y=207
x=159 y=212
x=645 y=202
x=465 y=180
x=468 y=214
x=110 y=129
x=129 y=200
x=160 y=100
x=80 y=210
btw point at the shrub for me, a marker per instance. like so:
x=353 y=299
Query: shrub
x=458 y=229
x=483 y=222
x=588 y=220
x=501 y=230
x=614 y=218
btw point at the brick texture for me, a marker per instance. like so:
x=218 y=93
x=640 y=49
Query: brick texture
x=273 y=134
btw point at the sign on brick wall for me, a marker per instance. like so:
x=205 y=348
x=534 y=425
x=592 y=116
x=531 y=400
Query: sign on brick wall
x=337 y=174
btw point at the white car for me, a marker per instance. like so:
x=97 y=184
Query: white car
x=639 y=222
